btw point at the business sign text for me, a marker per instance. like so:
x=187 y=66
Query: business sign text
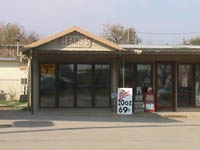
x=75 y=41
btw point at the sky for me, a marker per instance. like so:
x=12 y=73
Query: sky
x=48 y=17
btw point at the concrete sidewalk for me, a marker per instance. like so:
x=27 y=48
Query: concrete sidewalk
x=98 y=129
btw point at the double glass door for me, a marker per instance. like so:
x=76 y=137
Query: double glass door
x=165 y=85
x=75 y=85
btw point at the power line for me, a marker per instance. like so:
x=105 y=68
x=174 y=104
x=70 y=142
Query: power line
x=162 y=33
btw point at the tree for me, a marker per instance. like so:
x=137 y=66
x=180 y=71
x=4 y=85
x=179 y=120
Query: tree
x=119 y=34
x=192 y=41
x=10 y=33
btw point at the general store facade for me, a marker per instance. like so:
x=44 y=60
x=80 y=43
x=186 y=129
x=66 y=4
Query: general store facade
x=77 y=69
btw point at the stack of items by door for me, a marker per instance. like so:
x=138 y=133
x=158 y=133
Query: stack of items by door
x=139 y=103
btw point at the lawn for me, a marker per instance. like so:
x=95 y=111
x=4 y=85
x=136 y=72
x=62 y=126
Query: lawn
x=14 y=104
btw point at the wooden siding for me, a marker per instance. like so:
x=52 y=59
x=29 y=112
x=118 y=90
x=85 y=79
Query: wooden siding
x=54 y=45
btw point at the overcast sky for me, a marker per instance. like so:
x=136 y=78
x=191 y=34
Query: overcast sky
x=158 y=16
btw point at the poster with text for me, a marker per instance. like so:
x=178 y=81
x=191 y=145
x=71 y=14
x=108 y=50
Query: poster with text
x=124 y=101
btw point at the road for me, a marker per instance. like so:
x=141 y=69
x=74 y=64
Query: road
x=96 y=131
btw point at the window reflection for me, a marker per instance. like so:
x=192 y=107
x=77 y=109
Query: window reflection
x=47 y=85
x=137 y=75
x=144 y=76
x=129 y=75
x=84 y=79
x=185 y=84
x=164 y=87
x=102 y=84
x=66 y=85
x=197 y=92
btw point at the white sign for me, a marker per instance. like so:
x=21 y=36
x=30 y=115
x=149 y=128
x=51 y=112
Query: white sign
x=149 y=106
x=124 y=101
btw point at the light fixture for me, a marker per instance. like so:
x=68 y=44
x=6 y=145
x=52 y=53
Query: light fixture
x=138 y=51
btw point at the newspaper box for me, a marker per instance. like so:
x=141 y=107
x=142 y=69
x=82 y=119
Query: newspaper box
x=149 y=102
x=139 y=102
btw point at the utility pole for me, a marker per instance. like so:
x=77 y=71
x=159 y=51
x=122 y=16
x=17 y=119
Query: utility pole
x=128 y=37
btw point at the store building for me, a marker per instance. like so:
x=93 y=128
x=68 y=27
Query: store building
x=78 y=69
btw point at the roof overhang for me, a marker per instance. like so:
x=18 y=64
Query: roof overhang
x=70 y=30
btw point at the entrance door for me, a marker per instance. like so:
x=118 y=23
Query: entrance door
x=185 y=85
x=66 y=85
x=164 y=86
x=84 y=85
x=47 y=85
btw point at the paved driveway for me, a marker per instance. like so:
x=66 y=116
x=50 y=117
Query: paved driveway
x=102 y=130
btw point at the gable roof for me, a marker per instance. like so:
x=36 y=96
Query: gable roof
x=70 y=30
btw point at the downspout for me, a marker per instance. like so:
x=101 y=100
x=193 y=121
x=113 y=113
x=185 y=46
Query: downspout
x=123 y=73
x=32 y=107
x=30 y=84
x=28 y=78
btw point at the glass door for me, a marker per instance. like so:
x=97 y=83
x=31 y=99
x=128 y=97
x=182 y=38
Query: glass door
x=84 y=85
x=66 y=85
x=185 y=85
x=197 y=85
x=165 y=85
x=102 y=85
x=47 y=85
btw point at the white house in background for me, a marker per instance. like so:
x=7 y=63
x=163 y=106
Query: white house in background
x=13 y=73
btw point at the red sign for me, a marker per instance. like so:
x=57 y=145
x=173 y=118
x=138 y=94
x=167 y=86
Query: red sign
x=123 y=94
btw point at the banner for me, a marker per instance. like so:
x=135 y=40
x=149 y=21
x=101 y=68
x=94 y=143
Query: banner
x=124 y=101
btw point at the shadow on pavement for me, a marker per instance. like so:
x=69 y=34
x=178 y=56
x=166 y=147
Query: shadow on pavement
x=86 y=115
x=33 y=124
x=100 y=127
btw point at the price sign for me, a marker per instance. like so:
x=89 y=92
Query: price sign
x=124 y=101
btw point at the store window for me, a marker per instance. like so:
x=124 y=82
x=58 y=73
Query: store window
x=47 y=85
x=66 y=85
x=129 y=75
x=102 y=85
x=24 y=81
x=84 y=86
x=164 y=85
x=137 y=76
x=144 y=77
x=185 y=85
x=197 y=85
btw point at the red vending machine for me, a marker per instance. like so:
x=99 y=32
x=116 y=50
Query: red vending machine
x=149 y=101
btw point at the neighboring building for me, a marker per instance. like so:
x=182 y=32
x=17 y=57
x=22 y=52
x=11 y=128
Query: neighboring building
x=13 y=73
x=76 y=68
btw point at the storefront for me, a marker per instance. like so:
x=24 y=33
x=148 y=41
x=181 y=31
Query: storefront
x=80 y=70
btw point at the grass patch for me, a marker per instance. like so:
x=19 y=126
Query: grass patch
x=14 y=104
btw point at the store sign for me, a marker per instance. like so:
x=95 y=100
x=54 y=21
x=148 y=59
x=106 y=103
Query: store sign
x=75 y=41
x=124 y=101
x=48 y=68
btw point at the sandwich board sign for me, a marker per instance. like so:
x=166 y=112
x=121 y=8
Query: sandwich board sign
x=124 y=101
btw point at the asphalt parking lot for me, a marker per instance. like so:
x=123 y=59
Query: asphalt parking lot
x=97 y=130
